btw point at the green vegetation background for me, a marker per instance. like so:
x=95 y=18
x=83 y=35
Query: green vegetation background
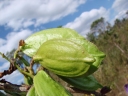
x=113 y=41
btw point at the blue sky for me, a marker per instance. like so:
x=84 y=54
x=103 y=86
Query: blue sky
x=21 y=18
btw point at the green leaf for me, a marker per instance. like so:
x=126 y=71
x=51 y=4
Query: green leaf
x=88 y=83
x=46 y=86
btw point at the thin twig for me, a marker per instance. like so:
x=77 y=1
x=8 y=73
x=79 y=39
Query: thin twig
x=21 y=70
x=31 y=67
x=13 y=62
x=4 y=56
x=11 y=69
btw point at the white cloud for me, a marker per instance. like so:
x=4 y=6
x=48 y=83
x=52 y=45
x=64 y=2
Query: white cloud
x=120 y=7
x=16 y=77
x=5 y=66
x=121 y=15
x=2 y=41
x=28 y=23
x=82 y=23
x=12 y=40
x=23 y=13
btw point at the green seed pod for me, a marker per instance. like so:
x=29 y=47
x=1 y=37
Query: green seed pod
x=46 y=86
x=93 y=51
x=88 y=83
x=33 y=42
x=64 y=57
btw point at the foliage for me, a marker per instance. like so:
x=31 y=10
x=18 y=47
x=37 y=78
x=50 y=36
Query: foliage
x=113 y=42
x=2 y=94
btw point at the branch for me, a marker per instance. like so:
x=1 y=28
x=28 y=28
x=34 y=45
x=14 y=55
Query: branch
x=13 y=88
x=119 y=47
x=75 y=90
x=11 y=69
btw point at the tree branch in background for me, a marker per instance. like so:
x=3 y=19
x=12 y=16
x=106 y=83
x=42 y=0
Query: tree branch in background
x=10 y=88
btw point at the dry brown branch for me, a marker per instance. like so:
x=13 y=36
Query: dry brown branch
x=11 y=69
x=9 y=87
